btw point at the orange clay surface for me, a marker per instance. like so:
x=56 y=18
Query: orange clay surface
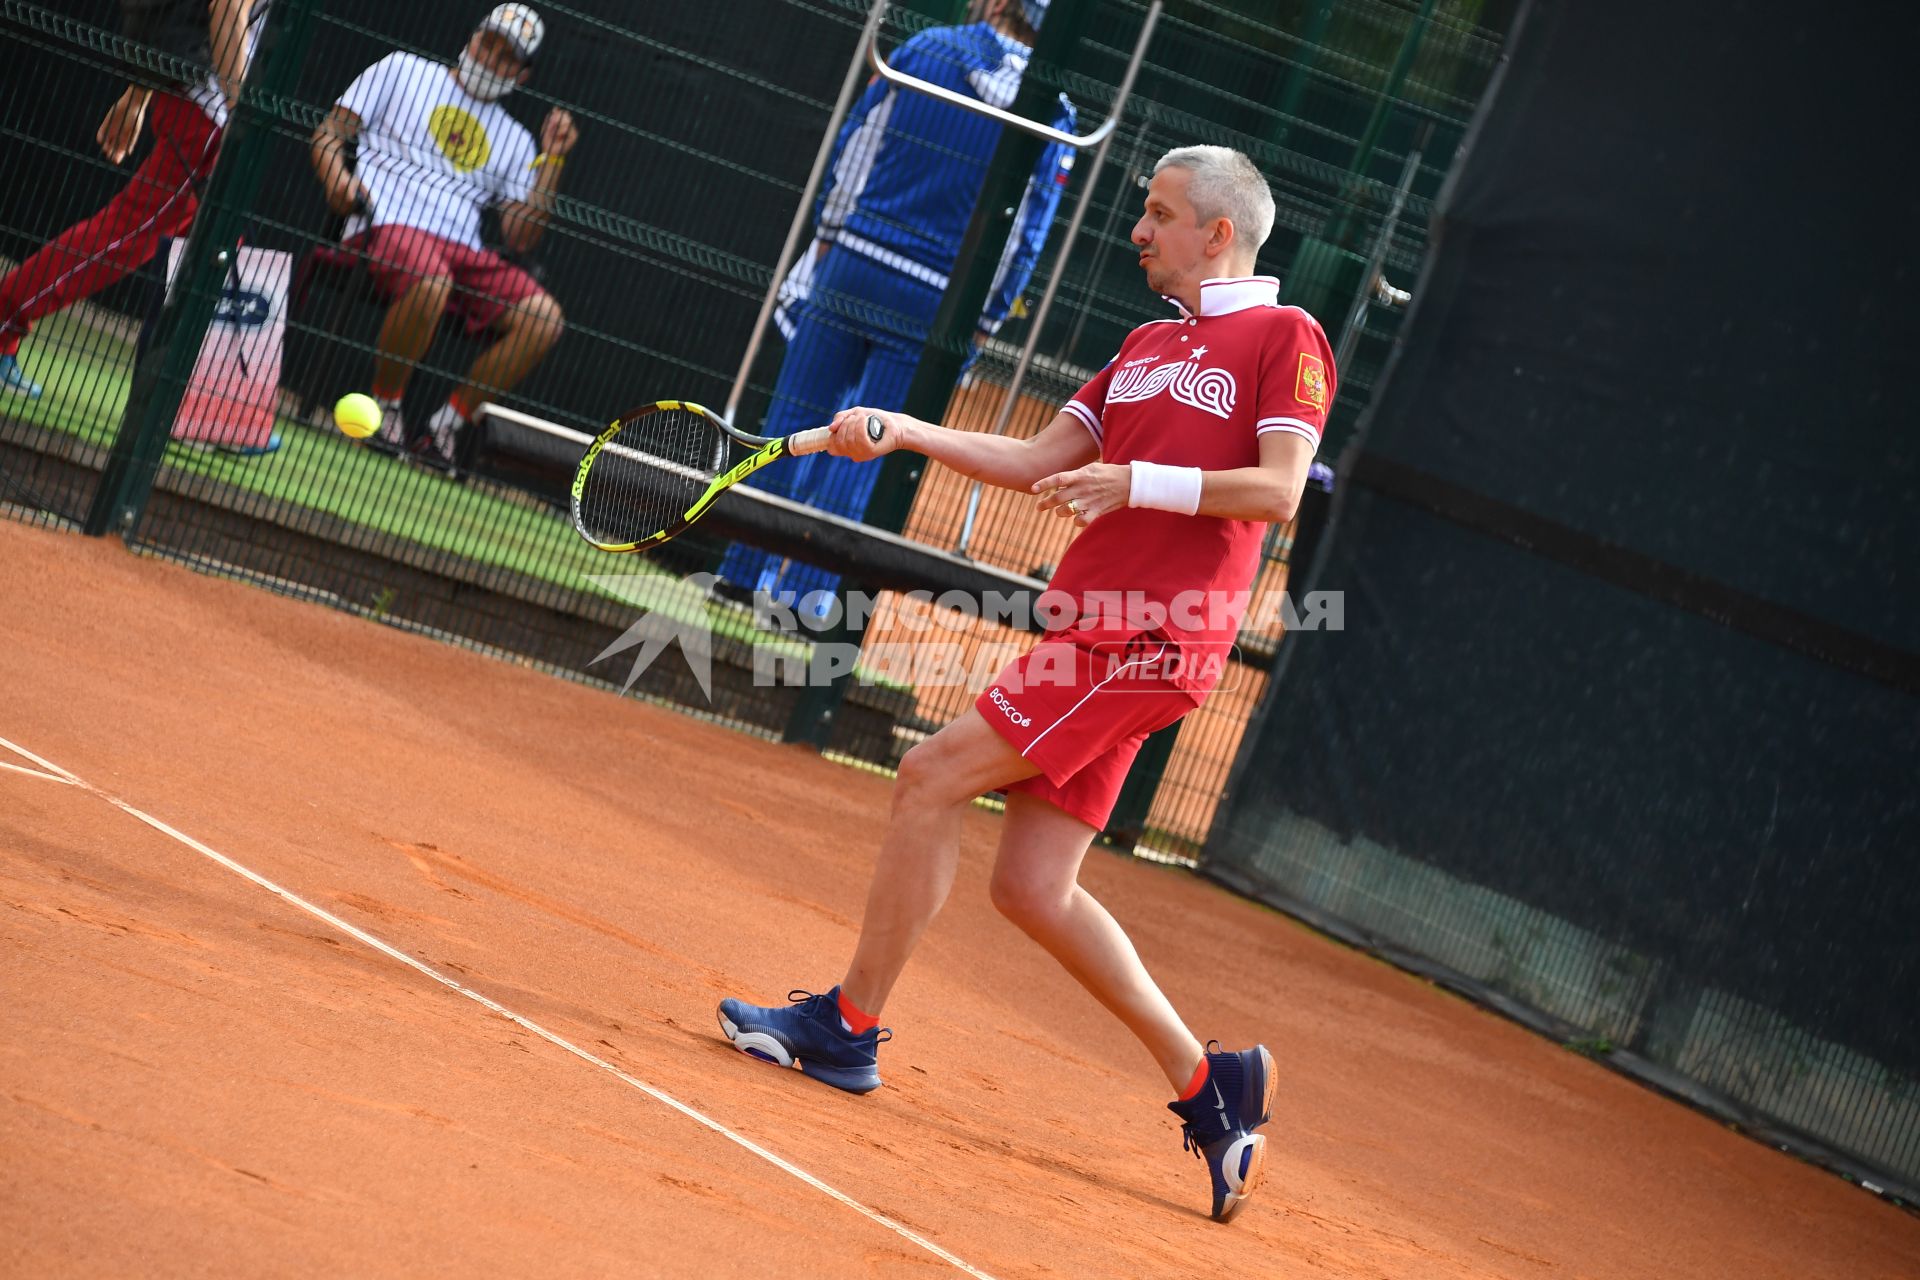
x=199 y=1078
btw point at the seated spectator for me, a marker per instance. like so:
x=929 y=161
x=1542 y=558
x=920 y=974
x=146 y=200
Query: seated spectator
x=434 y=149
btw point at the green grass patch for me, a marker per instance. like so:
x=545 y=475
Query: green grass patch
x=87 y=374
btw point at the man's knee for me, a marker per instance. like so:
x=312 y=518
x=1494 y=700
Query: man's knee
x=538 y=320
x=1028 y=900
x=925 y=778
x=425 y=288
x=919 y=772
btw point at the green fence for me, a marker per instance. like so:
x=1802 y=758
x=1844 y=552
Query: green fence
x=695 y=147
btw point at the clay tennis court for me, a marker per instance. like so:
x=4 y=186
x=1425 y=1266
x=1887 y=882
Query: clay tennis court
x=203 y=1077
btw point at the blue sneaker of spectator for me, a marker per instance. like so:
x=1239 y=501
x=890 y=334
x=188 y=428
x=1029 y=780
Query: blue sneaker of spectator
x=808 y=1031
x=236 y=450
x=251 y=450
x=13 y=378
x=1219 y=1123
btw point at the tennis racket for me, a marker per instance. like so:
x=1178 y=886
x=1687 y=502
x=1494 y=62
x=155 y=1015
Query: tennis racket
x=649 y=476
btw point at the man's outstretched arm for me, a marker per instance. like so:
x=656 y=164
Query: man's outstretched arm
x=997 y=460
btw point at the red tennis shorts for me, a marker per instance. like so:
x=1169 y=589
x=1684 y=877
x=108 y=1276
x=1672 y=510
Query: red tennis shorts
x=1079 y=711
x=485 y=284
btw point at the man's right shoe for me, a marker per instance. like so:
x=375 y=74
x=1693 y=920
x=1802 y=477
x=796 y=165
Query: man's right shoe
x=13 y=378
x=808 y=1031
x=437 y=445
x=1219 y=1123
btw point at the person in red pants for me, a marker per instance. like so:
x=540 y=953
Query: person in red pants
x=160 y=201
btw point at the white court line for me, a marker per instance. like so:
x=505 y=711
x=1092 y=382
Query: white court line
x=527 y=1024
x=35 y=773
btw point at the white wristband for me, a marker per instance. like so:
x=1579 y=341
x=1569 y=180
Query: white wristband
x=1165 y=488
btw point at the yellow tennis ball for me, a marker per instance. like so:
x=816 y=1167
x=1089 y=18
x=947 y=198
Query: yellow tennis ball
x=357 y=415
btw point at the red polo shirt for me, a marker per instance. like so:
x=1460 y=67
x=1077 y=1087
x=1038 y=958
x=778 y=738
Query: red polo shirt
x=1198 y=391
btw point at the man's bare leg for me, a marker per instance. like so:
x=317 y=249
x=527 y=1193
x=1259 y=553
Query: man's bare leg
x=407 y=332
x=920 y=851
x=1036 y=885
x=528 y=331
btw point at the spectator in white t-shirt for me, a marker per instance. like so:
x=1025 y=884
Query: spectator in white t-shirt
x=435 y=148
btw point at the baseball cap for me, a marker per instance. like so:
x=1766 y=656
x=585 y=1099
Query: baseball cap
x=520 y=25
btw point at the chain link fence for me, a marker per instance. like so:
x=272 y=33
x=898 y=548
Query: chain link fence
x=659 y=242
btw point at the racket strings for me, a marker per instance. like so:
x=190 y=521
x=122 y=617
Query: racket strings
x=646 y=478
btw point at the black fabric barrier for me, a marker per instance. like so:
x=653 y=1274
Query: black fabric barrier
x=1623 y=717
x=1704 y=797
x=1671 y=307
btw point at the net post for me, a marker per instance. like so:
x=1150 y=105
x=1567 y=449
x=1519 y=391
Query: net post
x=170 y=353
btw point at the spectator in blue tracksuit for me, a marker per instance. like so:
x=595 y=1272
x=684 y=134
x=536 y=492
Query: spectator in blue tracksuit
x=856 y=310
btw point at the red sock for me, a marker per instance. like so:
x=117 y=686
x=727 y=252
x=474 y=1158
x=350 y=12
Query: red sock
x=857 y=1021
x=462 y=404
x=1199 y=1080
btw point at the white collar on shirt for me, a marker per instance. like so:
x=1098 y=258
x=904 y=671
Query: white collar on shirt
x=1226 y=295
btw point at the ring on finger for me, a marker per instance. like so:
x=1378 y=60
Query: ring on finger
x=1073 y=505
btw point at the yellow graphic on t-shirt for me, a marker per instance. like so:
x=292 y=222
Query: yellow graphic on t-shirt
x=461 y=138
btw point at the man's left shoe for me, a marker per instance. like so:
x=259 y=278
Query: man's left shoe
x=14 y=378
x=808 y=1031
x=436 y=445
x=1219 y=1123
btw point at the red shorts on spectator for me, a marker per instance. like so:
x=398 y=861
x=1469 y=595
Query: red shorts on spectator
x=485 y=284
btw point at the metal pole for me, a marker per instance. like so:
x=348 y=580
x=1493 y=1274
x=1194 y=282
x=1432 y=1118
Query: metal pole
x=1308 y=45
x=173 y=345
x=1106 y=239
x=1350 y=335
x=1341 y=223
x=804 y=213
x=1060 y=265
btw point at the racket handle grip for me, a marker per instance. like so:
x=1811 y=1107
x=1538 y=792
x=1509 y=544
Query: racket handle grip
x=812 y=440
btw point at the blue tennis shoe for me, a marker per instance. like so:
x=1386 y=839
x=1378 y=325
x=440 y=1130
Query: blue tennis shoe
x=1218 y=1123
x=809 y=1032
x=14 y=378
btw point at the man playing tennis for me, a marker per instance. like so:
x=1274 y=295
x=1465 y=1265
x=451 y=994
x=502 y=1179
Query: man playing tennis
x=1173 y=460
